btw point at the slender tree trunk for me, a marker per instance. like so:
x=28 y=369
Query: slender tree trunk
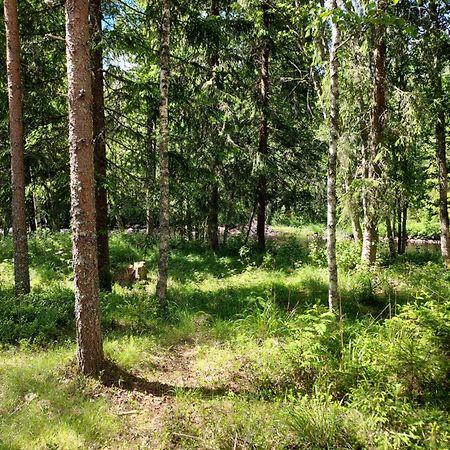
x=441 y=156
x=442 y=174
x=356 y=223
x=353 y=208
x=399 y=225
x=212 y=229
x=213 y=221
x=332 y=162
x=150 y=169
x=370 y=201
x=82 y=188
x=98 y=114
x=263 y=130
x=15 y=95
x=404 y=228
x=164 y=230
x=390 y=237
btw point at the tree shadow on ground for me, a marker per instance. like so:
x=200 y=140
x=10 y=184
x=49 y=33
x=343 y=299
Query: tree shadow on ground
x=115 y=376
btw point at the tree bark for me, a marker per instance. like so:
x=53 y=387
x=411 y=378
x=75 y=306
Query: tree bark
x=150 y=168
x=390 y=237
x=441 y=157
x=404 y=229
x=263 y=130
x=82 y=189
x=164 y=230
x=333 y=293
x=370 y=200
x=213 y=214
x=15 y=95
x=98 y=114
x=212 y=229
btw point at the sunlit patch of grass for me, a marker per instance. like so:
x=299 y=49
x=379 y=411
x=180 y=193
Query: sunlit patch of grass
x=132 y=352
x=40 y=409
x=265 y=361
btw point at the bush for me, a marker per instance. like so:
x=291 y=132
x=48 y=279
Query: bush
x=38 y=318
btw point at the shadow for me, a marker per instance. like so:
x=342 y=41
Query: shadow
x=117 y=377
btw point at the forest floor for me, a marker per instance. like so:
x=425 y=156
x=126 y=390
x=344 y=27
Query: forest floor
x=245 y=356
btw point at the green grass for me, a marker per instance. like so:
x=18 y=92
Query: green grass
x=246 y=355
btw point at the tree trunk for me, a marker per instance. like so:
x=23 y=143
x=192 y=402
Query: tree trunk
x=98 y=114
x=213 y=213
x=442 y=174
x=82 y=189
x=164 y=230
x=332 y=162
x=263 y=130
x=390 y=237
x=212 y=230
x=370 y=201
x=150 y=169
x=15 y=95
x=356 y=223
x=440 y=137
x=399 y=225
x=404 y=229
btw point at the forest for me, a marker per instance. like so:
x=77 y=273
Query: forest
x=224 y=224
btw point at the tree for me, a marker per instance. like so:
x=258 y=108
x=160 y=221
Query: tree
x=263 y=126
x=213 y=201
x=164 y=231
x=99 y=129
x=372 y=165
x=87 y=302
x=440 y=134
x=15 y=95
x=332 y=159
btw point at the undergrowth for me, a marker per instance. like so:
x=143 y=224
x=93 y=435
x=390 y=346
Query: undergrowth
x=262 y=365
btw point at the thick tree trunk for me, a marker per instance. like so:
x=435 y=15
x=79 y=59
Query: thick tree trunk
x=263 y=131
x=82 y=189
x=370 y=201
x=98 y=114
x=15 y=95
x=164 y=230
x=332 y=162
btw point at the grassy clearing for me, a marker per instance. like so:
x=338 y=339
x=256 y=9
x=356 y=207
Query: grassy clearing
x=245 y=357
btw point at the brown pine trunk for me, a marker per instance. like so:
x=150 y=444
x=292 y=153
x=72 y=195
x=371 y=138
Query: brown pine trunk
x=15 y=95
x=98 y=114
x=263 y=131
x=164 y=230
x=332 y=162
x=370 y=200
x=82 y=189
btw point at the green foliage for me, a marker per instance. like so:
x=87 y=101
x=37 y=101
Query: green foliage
x=247 y=350
x=37 y=317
